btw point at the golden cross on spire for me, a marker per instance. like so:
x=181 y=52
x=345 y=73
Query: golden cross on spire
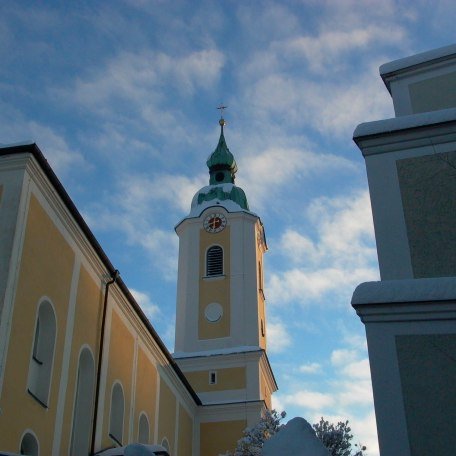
x=221 y=107
x=222 y=120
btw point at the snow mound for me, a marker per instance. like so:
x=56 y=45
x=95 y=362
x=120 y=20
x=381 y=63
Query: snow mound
x=136 y=449
x=296 y=438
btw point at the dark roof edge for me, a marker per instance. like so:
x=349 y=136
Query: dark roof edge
x=38 y=155
x=270 y=368
x=252 y=401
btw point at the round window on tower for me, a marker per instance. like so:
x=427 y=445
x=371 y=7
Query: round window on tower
x=213 y=312
x=219 y=176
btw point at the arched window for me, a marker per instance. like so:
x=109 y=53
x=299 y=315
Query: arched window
x=29 y=445
x=83 y=404
x=165 y=444
x=260 y=277
x=117 y=414
x=143 y=430
x=214 y=261
x=40 y=370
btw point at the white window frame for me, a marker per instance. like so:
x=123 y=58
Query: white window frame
x=42 y=352
x=117 y=416
x=29 y=433
x=81 y=428
x=143 y=416
x=165 y=444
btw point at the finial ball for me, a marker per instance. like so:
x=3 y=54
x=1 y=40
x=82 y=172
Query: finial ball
x=222 y=122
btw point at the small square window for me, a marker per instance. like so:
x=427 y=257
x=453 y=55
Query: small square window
x=212 y=378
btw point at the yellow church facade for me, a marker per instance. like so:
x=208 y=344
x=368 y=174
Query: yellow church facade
x=82 y=369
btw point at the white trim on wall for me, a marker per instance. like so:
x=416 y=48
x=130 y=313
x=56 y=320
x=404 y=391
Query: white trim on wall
x=103 y=376
x=176 y=428
x=84 y=348
x=157 y=408
x=13 y=273
x=131 y=437
x=67 y=348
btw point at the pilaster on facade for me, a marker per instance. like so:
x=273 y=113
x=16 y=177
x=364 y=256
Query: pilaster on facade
x=410 y=315
x=411 y=335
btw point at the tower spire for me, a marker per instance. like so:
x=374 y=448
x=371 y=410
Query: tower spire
x=222 y=121
x=222 y=169
x=221 y=163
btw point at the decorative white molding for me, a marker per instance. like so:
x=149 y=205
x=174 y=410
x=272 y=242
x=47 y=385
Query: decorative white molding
x=67 y=349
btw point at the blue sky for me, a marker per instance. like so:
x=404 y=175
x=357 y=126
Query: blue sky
x=121 y=96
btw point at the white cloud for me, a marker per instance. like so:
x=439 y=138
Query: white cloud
x=362 y=100
x=353 y=393
x=353 y=379
x=358 y=369
x=310 y=286
x=137 y=206
x=310 y=368
x=345 y=396
x=325 y=77
x=161 y=245
x=342 y=356
x=140 y=77
x=169 y=334
x=311 y=400
x=354 y=340
x=149 y=308
x=321 y=51
x=15 y=128
x=279 y=338
x=277 y=403
x=282 y=166
x=330 y=106
x=57 y=151
x=267 y=23
x=141 y=194
x=345 y=224
x=364 y=429
x=342 y=256
x=299 y=248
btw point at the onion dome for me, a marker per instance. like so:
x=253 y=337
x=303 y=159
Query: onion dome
x=221 y=189
x=221 y=163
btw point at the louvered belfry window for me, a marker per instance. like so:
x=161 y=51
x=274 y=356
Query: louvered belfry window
x=214 y=261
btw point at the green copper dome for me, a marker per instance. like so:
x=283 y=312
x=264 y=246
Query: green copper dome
x=221 y=163
x=221 y=189
x=220 y=194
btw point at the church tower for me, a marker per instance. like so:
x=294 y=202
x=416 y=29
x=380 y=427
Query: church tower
x=220 y=340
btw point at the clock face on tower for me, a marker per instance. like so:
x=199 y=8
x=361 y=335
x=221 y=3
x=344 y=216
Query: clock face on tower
x=214 y=223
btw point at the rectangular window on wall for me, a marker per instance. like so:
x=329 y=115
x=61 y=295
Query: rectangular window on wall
x=212 y=378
